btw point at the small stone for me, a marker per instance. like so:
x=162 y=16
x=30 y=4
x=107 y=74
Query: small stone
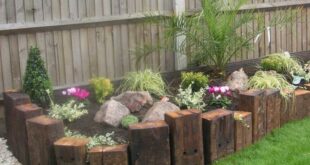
x=238 y=80
x=158 y=110
x=6 y=157
x=111 y=112
x=134 y=101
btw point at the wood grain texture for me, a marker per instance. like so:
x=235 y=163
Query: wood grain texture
x=156 y=149
x=185 y=137
x=254 y=101
x=22 y=114
x=243 y=130
x=42 y=133
x=112 y=155
x=218 y=134
x=273 y=105
x=71 y=151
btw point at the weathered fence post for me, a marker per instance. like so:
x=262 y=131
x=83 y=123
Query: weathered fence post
x=42 y=133
x=12 y=99
x=218 y=134
x=243 y=130
x=253 y=101
x=302 y=106
x=185 y=137
x=22 y=113
x=273 y=105
x=109 y=155
x=71 y=151
x=149 y=143
x=180 y=59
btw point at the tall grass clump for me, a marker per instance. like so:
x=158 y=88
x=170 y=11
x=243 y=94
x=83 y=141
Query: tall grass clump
x=282 y=63
x=146 y=80
x=271 y=79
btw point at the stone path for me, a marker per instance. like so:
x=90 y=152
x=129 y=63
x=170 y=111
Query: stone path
x=6 y=157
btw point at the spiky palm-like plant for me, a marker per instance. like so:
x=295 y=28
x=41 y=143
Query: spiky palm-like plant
x=211 y=34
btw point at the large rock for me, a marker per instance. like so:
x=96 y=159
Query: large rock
x=134 y=101
x=111 y=112
x=158 y=110
x=238 y=80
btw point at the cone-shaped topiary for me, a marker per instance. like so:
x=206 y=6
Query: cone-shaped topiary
x=36 y=80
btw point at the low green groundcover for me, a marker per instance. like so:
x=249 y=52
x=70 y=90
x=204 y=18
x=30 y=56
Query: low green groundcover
x=289 y=145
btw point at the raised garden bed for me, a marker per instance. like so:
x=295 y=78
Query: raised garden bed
x=185 y=136
x=182 y=137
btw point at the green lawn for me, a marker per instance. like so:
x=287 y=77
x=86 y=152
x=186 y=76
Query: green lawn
x=289 y=145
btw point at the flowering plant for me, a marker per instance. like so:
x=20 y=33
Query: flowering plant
x=220 y=96
x=78 y=93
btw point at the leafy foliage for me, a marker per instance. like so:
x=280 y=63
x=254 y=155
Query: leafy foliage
x=36 y=80
x=76 y=134
x=128 y=120
x=99 y=140
x=146 y=80
x=282 y=63
x=69 y=111
x=94 y=141
x=189 y=99
x=271 y=79
x=102 y=87
x=211 y=35
x=198 y=80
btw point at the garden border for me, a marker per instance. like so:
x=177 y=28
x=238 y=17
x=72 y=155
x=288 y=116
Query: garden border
x=215 y=132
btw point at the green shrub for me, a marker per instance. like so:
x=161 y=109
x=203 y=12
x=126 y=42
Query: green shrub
x=270 y=79
x=198 y=80
x=36 y=80
x=99 y=140
x=282 y=63
x=146 y=80
x=102 y=87
x=128 y=120
x=191 y=100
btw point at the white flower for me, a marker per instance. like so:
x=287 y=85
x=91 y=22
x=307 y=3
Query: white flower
x=64 y=93
x=71 y=90
x=223 y=90
x=218 y=97
x=216 y=89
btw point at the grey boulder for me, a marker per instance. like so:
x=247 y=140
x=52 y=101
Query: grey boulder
x=158 y=110
x=133 y=100
x=111 y=112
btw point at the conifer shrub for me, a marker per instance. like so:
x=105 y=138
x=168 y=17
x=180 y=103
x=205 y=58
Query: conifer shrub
x=36 y=81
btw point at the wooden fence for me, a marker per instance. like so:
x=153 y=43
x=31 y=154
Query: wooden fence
x=80 y=39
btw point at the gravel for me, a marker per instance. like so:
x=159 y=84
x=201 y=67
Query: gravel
x=6 y=157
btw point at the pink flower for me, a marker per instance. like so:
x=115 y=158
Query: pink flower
x=216 y=89
x=211 y=90
x=78 y=93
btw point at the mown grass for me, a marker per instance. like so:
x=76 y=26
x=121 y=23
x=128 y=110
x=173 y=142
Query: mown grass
x=289 y=145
